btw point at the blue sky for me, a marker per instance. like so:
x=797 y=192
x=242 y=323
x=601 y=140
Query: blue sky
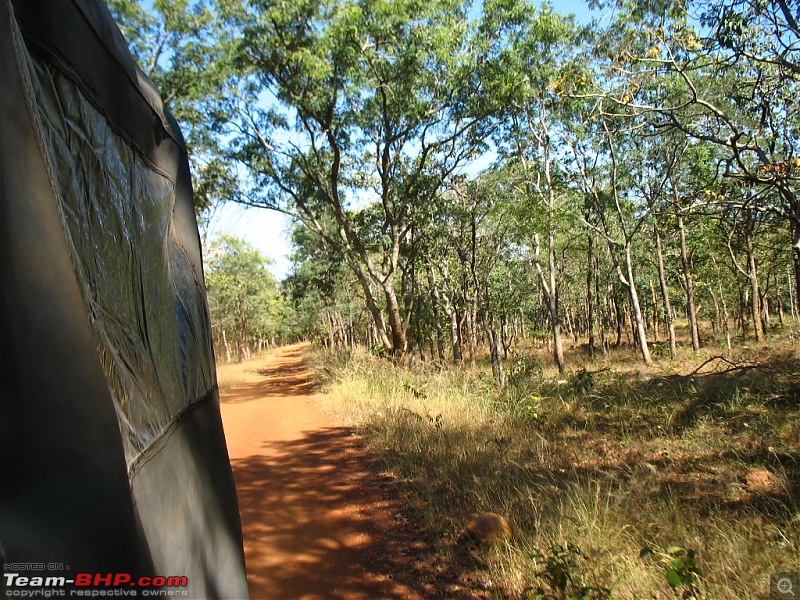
x=267 y=230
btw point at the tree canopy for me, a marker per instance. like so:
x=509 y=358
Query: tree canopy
x=464 y=175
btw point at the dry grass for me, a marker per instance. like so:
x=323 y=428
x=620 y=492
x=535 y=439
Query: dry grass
x=594 y=466
x=233 y=375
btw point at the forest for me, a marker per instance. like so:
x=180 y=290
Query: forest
x=603 y=211
x=461 y=176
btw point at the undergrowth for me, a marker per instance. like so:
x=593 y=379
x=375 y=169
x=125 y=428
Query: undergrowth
x=680 y=481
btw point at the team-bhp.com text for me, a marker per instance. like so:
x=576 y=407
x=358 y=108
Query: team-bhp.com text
x=93 y=585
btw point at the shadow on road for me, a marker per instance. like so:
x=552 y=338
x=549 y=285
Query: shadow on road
x=289 y=377
x=315 y=517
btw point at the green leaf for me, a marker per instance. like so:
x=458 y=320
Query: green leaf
x=677 y=564
x=673 y=577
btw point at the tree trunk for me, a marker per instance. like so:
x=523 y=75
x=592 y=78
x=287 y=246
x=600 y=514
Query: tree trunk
x=331 y=334
x=589 y=297
x=550 y=291
x=755 y=293
x=455 y=336
x=662 y=279
x=630 y=332
x=374 y=311
x=796 y=260
x=472 y=307
x=446 y=303
x=494 y=349
x=716 y=322
x=601 y=317
x=507 y=335
x=656 y=332
x=725 y=322
x=439 y=340
x=744 y=300
x=619 y=319
x=555 y=326
x=472 y=341
x=687 y=276
x=396 y=326
x=227 y=345
x=342 y=331
x=636 y=308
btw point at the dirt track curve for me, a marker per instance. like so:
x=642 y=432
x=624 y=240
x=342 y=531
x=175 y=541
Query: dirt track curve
x=319 y=521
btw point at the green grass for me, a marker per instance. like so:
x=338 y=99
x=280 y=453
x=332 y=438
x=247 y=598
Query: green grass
x=602 y=462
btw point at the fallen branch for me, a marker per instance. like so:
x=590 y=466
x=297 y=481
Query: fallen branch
x=734 y=367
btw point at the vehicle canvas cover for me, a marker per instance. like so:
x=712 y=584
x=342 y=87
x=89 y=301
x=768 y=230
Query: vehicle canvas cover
x=112 y=452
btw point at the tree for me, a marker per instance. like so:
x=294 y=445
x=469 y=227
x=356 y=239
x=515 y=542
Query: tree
x=731 y=84
x=182 y=47
x=487 y=248
x=526 y=52
x=366 y=112
x=324 y=292
x=616 y=151
x=242 y=295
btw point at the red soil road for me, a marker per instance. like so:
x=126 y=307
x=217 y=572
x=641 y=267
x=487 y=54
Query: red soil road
x=319 y=521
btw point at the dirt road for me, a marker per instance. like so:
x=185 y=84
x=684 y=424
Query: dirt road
x=319 y=521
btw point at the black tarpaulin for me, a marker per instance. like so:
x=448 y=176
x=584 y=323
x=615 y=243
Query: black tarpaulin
x=112 y=454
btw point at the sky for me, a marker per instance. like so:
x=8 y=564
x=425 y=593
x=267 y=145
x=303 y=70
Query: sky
x=268 y=230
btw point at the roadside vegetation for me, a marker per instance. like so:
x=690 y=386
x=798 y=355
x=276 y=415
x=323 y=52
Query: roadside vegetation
x=236 y=374
x=619 y=480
